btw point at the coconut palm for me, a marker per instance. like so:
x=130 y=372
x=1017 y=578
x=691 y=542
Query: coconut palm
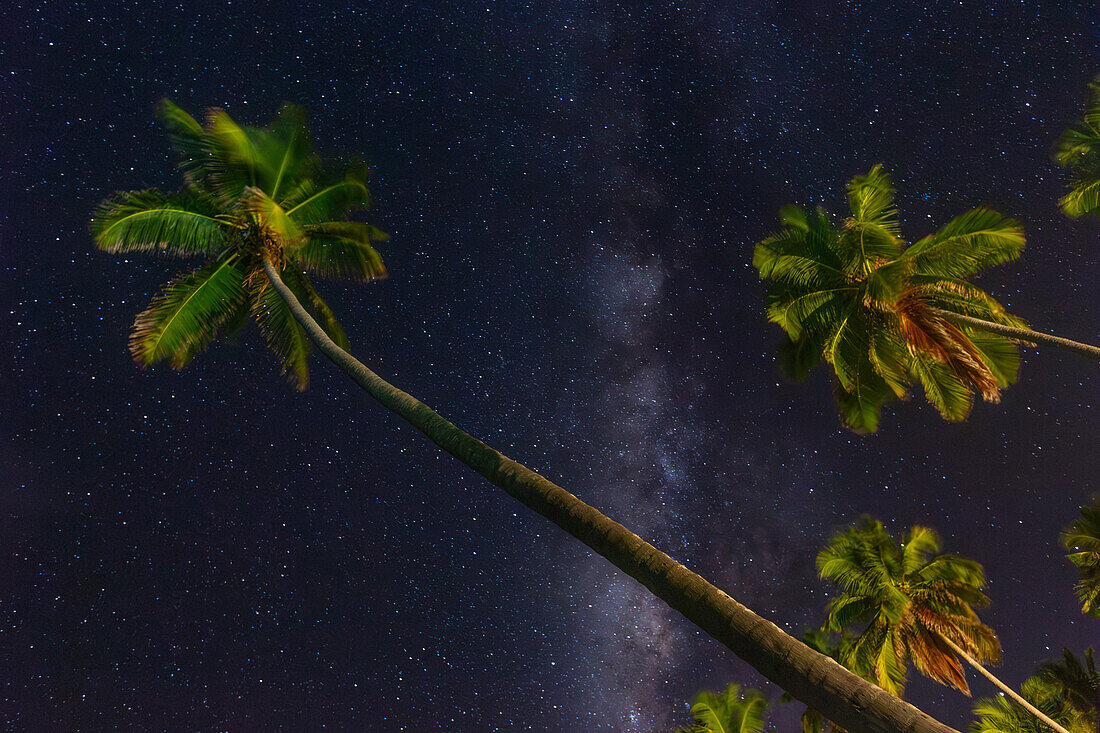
x=910 y=600
x=1079 y=681
x=913 y=606
x=732 y=711
x=1078 y=150
x=262 y=213
x=1082 y=539
x=885 y=314
x=999 y=714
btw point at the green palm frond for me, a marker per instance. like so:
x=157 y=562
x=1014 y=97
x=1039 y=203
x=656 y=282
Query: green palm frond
x=332 y=201
x=1082 y=541
x=187 y=316
x=1078 y=150
x=978 y=239
x=871 y=201
x=342 y=249
x=312 y=302
x=1000 y=714
x=151 y=221
x=282 y=333
x=729 y=712
x=942 y=388
x=189 y=140
x=234 y=163
x=271 y=218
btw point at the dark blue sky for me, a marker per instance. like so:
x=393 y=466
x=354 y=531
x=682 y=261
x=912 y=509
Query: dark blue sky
x=573 y=190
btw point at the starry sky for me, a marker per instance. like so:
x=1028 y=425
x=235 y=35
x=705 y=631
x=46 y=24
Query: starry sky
x=573 y=190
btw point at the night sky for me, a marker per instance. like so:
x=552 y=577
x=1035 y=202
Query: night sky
x=573 y=190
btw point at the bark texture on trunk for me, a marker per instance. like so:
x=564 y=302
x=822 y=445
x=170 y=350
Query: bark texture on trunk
x=1021 y=334
x=1002 y=686
x=816 y=680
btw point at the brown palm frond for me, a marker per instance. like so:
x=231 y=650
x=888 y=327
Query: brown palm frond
x=930 y=334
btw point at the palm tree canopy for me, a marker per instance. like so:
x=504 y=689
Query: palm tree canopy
x=1079 y=681
x=1078 y=150
x=1082 y=540
x=860 y=298
x=999 y=714
x=249 y=194
x=729 y=712
x=906 y=598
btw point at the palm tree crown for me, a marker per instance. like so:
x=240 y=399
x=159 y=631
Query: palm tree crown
x=1082 y=539
x=910 y=599
x=729 y=712
x=878 y=310
x=249 y=194
x=1078 y=150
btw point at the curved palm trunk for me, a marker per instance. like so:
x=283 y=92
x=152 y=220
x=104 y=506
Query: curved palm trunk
x=1021 y=334
x=1003 y=687
x=813 y=678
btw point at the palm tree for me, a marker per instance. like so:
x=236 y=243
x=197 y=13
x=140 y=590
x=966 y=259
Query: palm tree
x=1079 y=682
x=916 y=606
x=729 y=712
x=910 y=599
x=1078 y=150
x=999 y=714
x=884 y=314
x=262 y=212
x=1082 y=539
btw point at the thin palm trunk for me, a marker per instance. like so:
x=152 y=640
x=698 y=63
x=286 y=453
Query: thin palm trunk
x=813 y=678
x=1022 y=334
x=1004 y=688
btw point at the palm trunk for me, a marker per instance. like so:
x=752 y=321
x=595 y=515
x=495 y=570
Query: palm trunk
x=1020 y=334
x=813 y=678
x=1004 y=688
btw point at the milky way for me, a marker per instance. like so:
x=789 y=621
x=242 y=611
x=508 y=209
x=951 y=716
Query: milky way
x=573 y=191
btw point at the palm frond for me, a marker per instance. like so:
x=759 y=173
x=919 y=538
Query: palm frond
x=271 y=217
x=189 y=140
x=943 y=388
x=341 y=249
x=187 y=316
x=871 y=201
x=729 y=712
x=150 y=221
x=332 y=201
x=968 y=243
x=282 y=332
x=1083 y=198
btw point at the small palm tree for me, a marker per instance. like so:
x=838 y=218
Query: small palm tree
x=1082 y=540
x=910 y=599
x=729 y=712
x=885 y=314
x=999 y=714
x=913 y=605
x=1079 y=682
x=262 y=212
x=1078 y=150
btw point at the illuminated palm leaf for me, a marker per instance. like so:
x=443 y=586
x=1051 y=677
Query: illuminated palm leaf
x=729 y=712
x=1082 y=540
x=1078 y=150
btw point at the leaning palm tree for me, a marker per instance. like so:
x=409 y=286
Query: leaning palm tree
x=262 y=214
x=885 y=314
x=1082 y=540
x=1078 y=150
x=913 y=606
x=733 y=711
